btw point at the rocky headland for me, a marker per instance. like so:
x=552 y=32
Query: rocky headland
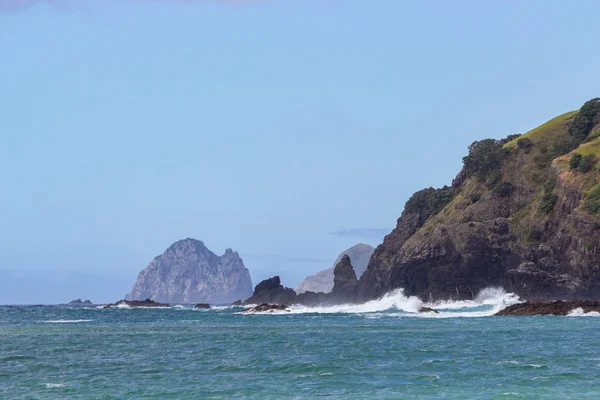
x=188 y=272
x=522 y=214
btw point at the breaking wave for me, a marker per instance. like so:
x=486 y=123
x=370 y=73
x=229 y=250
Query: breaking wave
x=67 y=321
x=395 y=304
x=578 y=312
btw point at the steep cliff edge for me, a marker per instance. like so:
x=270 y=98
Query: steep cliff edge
x=322 y=281
x=188 y=272
x=522 y=214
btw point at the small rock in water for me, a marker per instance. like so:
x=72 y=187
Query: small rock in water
x=237 y=303
x=138 y=303
x=267 y=307
x=428 y=309
x=202 y=305
x=549 y=308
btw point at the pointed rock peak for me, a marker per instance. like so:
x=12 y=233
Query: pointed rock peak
x=231 y=254
x=344 y=277
x=268 y=284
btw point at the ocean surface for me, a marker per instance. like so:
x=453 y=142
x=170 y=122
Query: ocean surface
x=380 y=350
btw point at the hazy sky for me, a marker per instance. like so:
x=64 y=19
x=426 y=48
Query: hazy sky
x=287 y=130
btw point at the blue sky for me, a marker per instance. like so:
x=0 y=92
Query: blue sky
x=287 y=130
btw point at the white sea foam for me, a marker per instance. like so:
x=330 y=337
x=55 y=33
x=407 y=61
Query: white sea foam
x=54 y=385
x=67 y=321
x=578 y=312
x=395 y=304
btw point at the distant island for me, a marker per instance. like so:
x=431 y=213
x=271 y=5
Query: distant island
x=188 y=272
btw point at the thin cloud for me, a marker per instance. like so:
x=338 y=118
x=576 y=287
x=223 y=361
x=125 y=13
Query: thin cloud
x=366 y=233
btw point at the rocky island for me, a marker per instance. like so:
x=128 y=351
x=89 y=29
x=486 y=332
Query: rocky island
x=188 y=272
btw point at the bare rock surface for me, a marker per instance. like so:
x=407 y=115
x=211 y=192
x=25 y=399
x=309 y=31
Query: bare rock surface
x=188 y=272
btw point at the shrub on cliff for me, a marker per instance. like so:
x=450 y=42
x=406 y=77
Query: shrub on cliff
x=525 y=144
x=575 y=160
x=584 y=121
x=549 y=199
x=485 y=156
x=429 y=201
x=592 y=200
x=587 y=163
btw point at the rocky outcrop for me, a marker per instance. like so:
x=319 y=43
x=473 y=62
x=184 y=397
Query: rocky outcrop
x=323 y=281
x=137 y=303
x=516 y=216
x=203 y=306
x=188 y=272
x=271 y=291
x=266 y=308
x=344 y=282
x=528 y=309
x=80 y=302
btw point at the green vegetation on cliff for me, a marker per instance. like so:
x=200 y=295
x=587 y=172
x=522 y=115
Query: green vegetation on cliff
x=524 y=213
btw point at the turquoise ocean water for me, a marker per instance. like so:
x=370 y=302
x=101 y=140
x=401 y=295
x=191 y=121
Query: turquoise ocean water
x=380 y=350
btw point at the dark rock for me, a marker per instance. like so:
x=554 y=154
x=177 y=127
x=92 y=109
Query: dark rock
x=344 y=281
x=322 y=281
x=137 y=303
x=428 y=309
x=237 y=303
x=549 y=308
x=79 y=302
x=202 y=305
x=267 y=307
x=271 y=291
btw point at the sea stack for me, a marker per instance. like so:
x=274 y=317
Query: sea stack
x=188 y=272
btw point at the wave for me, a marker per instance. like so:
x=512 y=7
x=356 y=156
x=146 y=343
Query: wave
x=396 y=304
x=67 y=321
x=578 y=312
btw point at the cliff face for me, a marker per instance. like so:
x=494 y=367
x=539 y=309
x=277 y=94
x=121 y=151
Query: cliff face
x=322 y=281
x=518 y=215
x=187 y=272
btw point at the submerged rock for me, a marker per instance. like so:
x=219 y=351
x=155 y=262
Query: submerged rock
x=203 y=306
x=428 y=309
x=558 y=307
x=267 y=307
x=137 y=303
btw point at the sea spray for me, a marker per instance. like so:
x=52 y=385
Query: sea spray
x=396 y=304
